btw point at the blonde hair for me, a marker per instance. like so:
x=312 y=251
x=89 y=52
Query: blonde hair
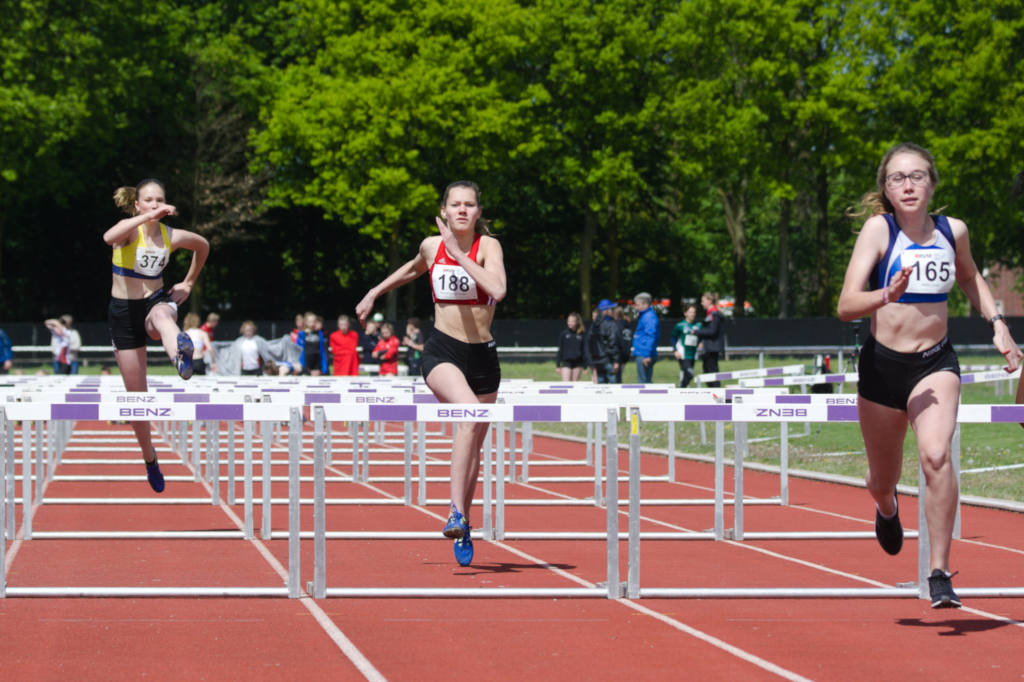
x=124 y=197
x=483 y=226
x=875 y=202
x=191 y=321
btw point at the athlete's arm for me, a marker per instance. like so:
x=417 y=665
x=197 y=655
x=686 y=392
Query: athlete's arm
x=200 y=248
x=489 y=275
x=854 y=301
x=403 y=275
x=979 y=294
x=123 y=230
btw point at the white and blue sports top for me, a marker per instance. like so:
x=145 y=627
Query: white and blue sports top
x=934 y=266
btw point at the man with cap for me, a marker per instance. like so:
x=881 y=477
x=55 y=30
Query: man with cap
x=606 y=344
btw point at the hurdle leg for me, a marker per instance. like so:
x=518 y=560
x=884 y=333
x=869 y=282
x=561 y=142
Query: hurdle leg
x=955 y=453
x=488 y=467
x=267 y=433
x=319 y=507
x=527 y=451
x=589 y=447
x=26 y=475
x=353 y=429
x=421 y=444
x=719 y=480
x=612 y=506
x=247 y=477
x=231 y=463
x=407 y=462
x=512 y=452
x=10 y=458
x=40 y=458
x=213 y=466
x=784 y=462
x=499 y=481
x=923 y=543
x=366 y=449
x=196 y=463
x=294 y=518
x=633 y=556
x=671 y=451
x=595 y=457
x=740 y=449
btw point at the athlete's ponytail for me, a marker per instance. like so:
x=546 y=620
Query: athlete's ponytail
x=124 y=197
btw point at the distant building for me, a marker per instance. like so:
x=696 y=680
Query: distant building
x=1004 y=283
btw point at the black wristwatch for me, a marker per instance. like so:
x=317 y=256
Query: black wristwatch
x=992 y=320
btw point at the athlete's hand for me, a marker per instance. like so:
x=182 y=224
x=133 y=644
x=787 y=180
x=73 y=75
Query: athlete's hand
x=451 y=245
x=898 y=284
x=180 y=292
x=163 y=210
x=364 y=308
x=1005 y=344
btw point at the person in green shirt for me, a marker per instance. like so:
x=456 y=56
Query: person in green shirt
x=684 y=342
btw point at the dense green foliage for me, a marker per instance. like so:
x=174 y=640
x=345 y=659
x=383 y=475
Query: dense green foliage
x=666 y=146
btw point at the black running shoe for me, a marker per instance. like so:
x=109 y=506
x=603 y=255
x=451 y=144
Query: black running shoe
x=155 y=477
x=889 y=531
x=940 y=586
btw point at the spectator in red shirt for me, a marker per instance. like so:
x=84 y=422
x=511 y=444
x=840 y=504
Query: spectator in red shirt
x=386 y=350
x=343 y=345
x=211 y=323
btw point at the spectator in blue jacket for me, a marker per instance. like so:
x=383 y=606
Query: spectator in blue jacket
x=6 y=354
x=645 y=338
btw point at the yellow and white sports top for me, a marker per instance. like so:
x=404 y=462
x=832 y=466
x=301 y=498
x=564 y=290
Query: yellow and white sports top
x=135 y=259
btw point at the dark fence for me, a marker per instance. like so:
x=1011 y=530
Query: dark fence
x=741 y=332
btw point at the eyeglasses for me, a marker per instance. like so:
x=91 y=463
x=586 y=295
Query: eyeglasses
x=918 y=177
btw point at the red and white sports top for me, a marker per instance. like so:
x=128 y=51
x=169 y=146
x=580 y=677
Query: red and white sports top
x=450 y=283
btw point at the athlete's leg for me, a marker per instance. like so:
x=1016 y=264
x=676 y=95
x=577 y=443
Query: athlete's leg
x=450 y=386
x=883 y=429
x=574 y=373
x=132 y=363
x=162 y=325
x=932 y=411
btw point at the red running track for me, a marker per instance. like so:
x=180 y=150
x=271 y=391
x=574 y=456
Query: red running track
x=438 y=639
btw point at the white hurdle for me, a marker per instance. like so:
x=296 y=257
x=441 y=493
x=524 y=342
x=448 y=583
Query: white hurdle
x=58 y=416
x=746 y=413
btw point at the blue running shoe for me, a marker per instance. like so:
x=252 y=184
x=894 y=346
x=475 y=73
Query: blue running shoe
x=184 y=359
x=464 y=548
x=456 y=526
x=156 y=478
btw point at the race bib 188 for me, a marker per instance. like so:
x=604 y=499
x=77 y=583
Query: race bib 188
x=453 y=283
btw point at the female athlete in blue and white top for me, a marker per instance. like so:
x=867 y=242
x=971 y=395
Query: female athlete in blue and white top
x=460 y=359
x=903 y=266
x=140 y=308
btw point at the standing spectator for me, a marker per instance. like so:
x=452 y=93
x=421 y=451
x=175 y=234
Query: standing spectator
x=313 y=345
x=569 y=358
x=60 y=345
x=212 y=320
x=413 y=341
x=590 y=350
x=300 y=321
x=249 y=349
x=684 y=341
x=607 y=345
x=645 y=339
x=386 y=350
x=623 y=324
x=343 y=343
x=368 y=340
x=203 y=354
x=6 y=353
x=712 y=341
